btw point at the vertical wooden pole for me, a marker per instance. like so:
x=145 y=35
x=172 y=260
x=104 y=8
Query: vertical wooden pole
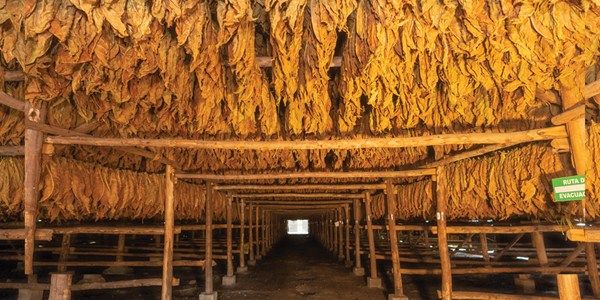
x=335 y=232
x=208 y=269
x=373 y=281
x=571 y=96
x=347 y=238
x=229 y=237
x=60 y=286
x=251 y=260
x=568 y=287
x=442 y=204
x=64 y=252
x=484 y=247
x=358 y=269
x=31 y=193
x=258 y=227
x=167 y=274
x=242 y=268
x=120 y=247
x=540 y=248
x=340 y=230
x=229 y=279
x=391 y=210
x=157 y=239
x=263 y=240
x=592 y=266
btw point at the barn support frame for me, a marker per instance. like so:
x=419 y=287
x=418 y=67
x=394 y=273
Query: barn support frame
x=229 y=278
x=358 y=269
x=242 y=268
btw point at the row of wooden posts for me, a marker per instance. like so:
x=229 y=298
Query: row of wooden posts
x=263 y=227
x=333 y=230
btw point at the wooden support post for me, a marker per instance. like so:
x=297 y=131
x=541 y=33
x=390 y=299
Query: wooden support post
x=209 y=292
x=120 y=247
x=442 y=202
x=229 y=279
x=252 y=260
x=391 y=210
x=33 y=166
x=340 y=230
x=157 y=239
x=571 y=95
x=64 y=252
x=358 y=269
x=347 y=238
x=537 y=238
x=592 y=268
x=373 y=281
x=484 y=247
x=263 y=241
x=167 y=274
x=331 y=232
x=258 y=255
x=242 y=267
x=568 y=287
x=60 y=286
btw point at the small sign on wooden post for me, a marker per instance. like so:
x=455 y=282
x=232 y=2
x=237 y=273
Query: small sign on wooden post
x=569 y=188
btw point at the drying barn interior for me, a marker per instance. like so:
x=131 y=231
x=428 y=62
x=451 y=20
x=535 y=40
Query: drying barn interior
x=320 y=149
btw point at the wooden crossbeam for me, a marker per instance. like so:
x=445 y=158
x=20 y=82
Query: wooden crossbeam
x=300 y=195
x=259 y=202
x=296 y=187
x=361 y=143
x=12 y=150
x=72 y=133
x=468 y=154
x=311 y=175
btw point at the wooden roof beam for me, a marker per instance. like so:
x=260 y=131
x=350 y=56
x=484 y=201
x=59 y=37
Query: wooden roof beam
x=296 y=187
x=300 y=195
x=362 y=143
x=262 y=202
x=311 y=175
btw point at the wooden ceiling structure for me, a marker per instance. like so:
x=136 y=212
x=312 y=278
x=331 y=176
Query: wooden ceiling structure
x=66 y=105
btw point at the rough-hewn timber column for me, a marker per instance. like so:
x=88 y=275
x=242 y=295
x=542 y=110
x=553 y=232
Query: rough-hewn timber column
x=209 y=292
x=391 y=210
x=60 y=286
x=229 y=279
x=537 y=238
x=347 y=229
x=251 y=259
x=442 y=202
x=263 y=241
x=167 y=272
x=33 y=166
x=577 y=133
x=258 y=227
x=340 y=229
x=373 y=281
x=358 y=269
x=242 y=268
x=64 y=252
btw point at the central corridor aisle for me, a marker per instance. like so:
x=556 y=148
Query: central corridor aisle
x=299 y=268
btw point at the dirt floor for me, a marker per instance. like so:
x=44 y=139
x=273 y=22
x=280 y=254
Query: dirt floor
x=300 y=269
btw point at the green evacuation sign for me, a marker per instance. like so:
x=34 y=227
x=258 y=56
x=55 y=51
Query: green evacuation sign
x=569 y=188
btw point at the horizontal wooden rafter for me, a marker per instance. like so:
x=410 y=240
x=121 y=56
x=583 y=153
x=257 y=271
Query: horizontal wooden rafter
x=264 y=202
x=12 y=150
x=301 y=195
x=296 y=187
x=311 y=175
x=361 y=143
